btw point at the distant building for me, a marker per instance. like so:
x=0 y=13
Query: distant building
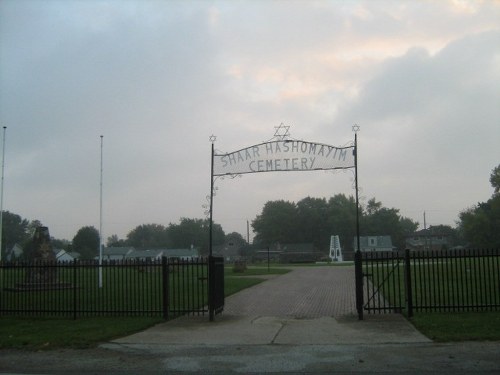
x=157 y=254
x=184 y=254
x=374 y=243
x=116 y=253
x=144 y=255
x=427 y=239
x=65 y=256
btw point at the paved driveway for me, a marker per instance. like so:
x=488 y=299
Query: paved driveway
x=306 y=292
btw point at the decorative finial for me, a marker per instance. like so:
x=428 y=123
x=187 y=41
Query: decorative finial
x=212 y=138
x=355 y=128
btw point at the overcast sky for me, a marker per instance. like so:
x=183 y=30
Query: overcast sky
x=157 y=78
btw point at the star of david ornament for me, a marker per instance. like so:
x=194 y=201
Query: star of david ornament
x=282 y=131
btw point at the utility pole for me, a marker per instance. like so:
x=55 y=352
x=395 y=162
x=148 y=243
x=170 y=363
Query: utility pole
x=248 y=233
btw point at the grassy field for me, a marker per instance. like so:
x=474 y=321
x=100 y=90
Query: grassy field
x=440 y=287
x=438 y=284
x=446 y=327
x=42 y=333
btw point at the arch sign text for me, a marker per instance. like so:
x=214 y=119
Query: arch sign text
x=286 y=155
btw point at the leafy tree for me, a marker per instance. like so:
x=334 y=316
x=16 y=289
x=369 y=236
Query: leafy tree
x=480 y=225
x=60 y=244
x=236 y=239
x=315 y=220
x=195 y=232
x=114 y=241
x=15 y=230
x=151 y=236
x=380 y=220
x=312 y=223
x=495 y=179
x=86 y=242
x=373 y=206
x=276 y=223
x=342 y=219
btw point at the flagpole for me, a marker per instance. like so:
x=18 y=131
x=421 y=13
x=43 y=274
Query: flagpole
x=100 y=223
x=1 y=193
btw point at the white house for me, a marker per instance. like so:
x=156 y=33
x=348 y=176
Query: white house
x=374 y=243
x=147 y=255
x=63 y=256
x=157 y=254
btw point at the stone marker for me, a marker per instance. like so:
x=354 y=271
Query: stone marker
x=41 y=272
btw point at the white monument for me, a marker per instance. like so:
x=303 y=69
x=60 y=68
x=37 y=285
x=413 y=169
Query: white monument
x=335 y=250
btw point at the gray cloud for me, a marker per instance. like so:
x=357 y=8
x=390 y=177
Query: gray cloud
x=158 y=78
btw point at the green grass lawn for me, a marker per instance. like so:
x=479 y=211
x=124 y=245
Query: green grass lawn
x=38 y=333
x=437 y=283
x=41 y=333
x=446 y=327
x=442 y=284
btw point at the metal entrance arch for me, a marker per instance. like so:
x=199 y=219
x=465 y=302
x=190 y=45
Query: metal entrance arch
x=281 y=154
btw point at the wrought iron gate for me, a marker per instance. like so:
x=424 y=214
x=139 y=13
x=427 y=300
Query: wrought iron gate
x=383 y=282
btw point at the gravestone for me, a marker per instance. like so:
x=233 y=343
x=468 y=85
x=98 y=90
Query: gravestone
x=43 y=259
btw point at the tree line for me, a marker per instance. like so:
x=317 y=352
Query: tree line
x=310 y=220
x=188 y=232
x=314 y=220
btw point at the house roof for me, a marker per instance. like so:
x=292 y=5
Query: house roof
x=426 y=233
x=181 y=253
x=381 y=242
x=117 y=250
x=144 y=254
x=170 y=253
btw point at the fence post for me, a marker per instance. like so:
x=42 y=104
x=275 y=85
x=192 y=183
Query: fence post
x=75 y=301
x=409 y=295
x=165 y=286
x=211 y=288
x=358 y=269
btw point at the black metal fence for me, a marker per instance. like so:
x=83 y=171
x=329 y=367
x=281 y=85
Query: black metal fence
x=164 y=287
x=431 y=281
